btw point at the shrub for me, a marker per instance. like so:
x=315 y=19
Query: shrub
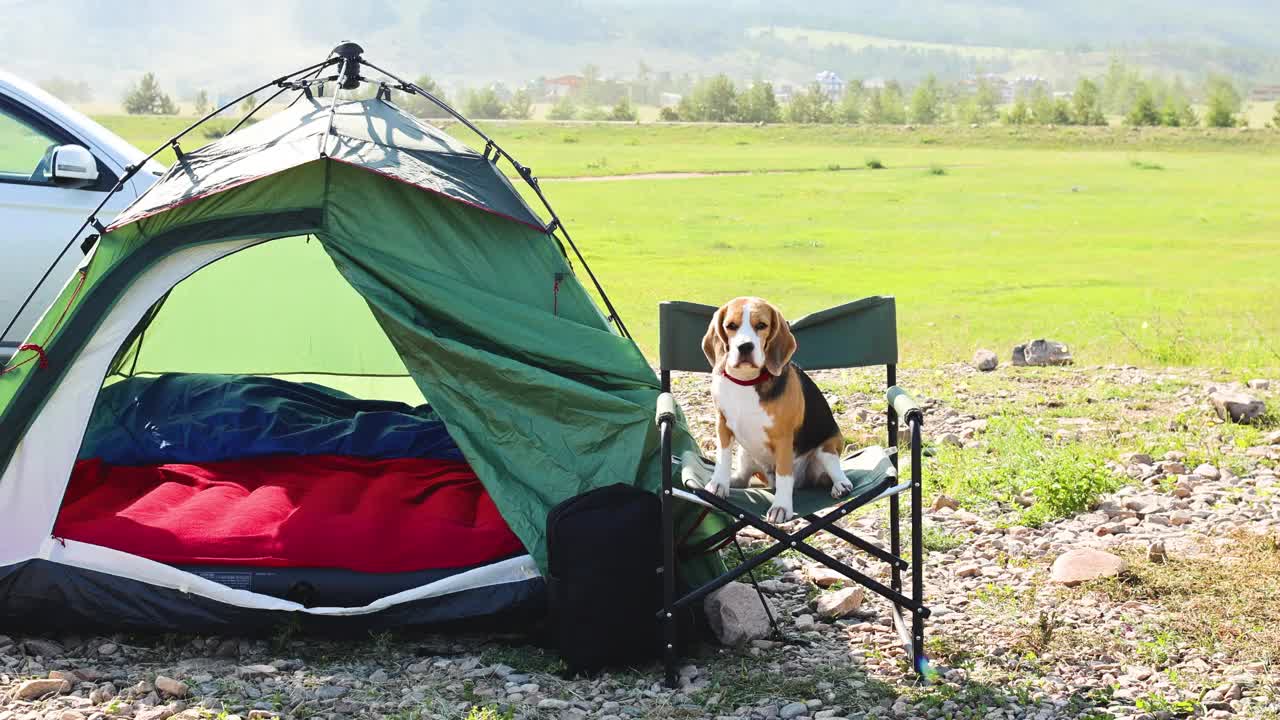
x=874 y=164
x=483 y=104
x=1224 y=102
x=936 y=169
x=564 y=109
x=623 y=111
x=521 y=106
x=668 y=114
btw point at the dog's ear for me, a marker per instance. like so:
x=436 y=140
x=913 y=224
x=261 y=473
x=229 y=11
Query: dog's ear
x=780 y=346
x=715 y=343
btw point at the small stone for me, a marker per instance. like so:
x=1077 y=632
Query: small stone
x=552 y=704
x=804 y=622
x=968 y=570
x=736 y=614
x=71 y=715
x=33 y=689
x=1259 y=384
x=1083 y=564
x=379 y=676
x=108 y=649
x=256 y=671
x=1136 y=459
x=840 y=603
x=825 y=577
x=951 y=439
x=942 y=501
x=171 y=687
x=1207 y=471
x=43 y=648
x=1179 y=517
x=1237 y=407
x=64 y=675
x=791 y=710
x=1156 y=552
x=985 y=360
x=331 y=692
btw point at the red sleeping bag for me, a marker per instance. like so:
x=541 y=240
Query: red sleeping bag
x=320 y=511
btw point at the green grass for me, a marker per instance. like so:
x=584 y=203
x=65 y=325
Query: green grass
x=1030 y=232
x=1065 y=477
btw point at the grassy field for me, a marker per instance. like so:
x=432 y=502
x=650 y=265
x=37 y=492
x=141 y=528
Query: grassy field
x=1154 y=247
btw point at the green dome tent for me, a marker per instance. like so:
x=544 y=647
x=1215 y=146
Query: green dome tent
x=344 y=243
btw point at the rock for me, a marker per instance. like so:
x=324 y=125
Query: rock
x=840 y=603
x=736 y=614
x=1136 y=458
x=985 y=360
x=33 y=689
x=64 y=675
x=1156 y=552
x=1272 y=438
x=1018 y=357
x=331 y=692
x=43 y=648
x=255 y=671
x=1259 y=384
x=942 y=501
x=1236 y=406
x=1083 y=564
x=804 y=622
x=379 y=676
x=1179 y=517
x=951 y=439
x=158 y=713
x=108 y=649
x=102 y=694
x=171 y=687
x=791 y=710
x=824 y=577
x=1207 y=471
x=1042 y=352
x=552 y=704
x=968 y=570
x=71 y=715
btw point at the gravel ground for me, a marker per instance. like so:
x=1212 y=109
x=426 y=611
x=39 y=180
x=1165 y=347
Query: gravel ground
x=1188 y=629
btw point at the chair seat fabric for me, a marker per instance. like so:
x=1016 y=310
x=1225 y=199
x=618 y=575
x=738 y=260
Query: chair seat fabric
x=866 y=468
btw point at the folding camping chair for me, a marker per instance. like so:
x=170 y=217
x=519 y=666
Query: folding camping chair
x=857 y=334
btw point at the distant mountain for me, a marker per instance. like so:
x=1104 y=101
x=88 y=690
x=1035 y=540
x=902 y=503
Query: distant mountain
x=223 y=46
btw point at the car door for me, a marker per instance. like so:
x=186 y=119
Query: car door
x=39 y=216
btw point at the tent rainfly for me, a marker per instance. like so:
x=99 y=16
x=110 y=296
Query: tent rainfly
x=348 y=370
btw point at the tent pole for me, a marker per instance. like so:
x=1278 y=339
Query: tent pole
x=128 y=175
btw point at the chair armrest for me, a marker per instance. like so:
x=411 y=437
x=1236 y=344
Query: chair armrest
x=904 y=405
x=666 y=409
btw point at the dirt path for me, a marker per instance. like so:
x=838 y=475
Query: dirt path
x=681 y=175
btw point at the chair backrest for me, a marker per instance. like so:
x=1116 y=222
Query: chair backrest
x=856 y=334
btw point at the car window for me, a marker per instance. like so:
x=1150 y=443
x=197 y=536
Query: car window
x=23 y=150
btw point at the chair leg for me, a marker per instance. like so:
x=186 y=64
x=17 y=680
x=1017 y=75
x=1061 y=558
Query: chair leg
x=918 y=659
x=668 y=562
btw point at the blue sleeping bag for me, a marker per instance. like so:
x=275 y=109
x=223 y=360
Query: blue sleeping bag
x=192 y=418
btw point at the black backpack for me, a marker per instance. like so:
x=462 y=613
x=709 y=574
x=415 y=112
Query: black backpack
x=604 y=554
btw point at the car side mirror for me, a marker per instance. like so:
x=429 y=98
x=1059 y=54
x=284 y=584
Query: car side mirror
x=73 y=165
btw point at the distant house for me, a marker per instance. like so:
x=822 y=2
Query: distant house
x=830 y=84
x=562 y=86
x=669 y=99
x=1001 y=86
x=1265 y=93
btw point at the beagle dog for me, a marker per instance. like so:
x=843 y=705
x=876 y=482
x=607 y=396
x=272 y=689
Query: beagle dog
x=783 y=424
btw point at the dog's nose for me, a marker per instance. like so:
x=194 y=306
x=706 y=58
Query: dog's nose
x=746 y=348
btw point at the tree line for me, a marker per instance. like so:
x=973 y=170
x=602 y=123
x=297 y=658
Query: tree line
x=1121 y=91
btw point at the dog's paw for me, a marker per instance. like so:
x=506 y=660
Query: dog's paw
x=718 y=486
x=841 y=487
x=779 y=514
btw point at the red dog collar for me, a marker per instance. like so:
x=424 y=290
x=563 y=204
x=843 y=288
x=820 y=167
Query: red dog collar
x=762 y=377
